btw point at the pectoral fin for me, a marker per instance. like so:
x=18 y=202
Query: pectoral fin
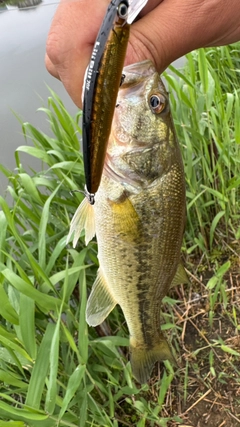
x=100 y=302
x=83 y=220
x=180 y=276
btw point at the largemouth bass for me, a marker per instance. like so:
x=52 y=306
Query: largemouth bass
x=138 y=216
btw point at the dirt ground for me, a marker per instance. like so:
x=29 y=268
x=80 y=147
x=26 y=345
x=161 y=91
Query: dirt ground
x=210 y=396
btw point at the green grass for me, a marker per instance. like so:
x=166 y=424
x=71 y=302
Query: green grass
x=206 y=104
x=54 y=370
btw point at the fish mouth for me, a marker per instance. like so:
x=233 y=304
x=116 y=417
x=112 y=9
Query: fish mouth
x=136 y=73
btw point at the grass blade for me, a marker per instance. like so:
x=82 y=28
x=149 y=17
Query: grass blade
x=40 y=369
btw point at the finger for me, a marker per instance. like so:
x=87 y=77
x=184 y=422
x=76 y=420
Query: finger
x=70 y=42
x=51 y=68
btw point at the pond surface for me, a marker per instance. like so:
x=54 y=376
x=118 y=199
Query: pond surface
x=23 y=77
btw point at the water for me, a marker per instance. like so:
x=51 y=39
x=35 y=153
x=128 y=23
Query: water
x=23 y=78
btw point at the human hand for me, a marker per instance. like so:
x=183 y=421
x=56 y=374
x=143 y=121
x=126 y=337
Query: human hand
x=164 y=31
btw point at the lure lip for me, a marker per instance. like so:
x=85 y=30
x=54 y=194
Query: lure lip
x=135 y=7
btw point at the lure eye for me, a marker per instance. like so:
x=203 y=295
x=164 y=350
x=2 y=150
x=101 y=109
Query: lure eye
x=157 y=103
x=123 y=10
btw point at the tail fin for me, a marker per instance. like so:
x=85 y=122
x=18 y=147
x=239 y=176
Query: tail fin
x=143 y=359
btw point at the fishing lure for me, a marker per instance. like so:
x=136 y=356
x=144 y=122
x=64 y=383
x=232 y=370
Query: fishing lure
x=102 y=81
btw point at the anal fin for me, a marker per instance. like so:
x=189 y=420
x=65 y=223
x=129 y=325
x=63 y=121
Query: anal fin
x=100 y=302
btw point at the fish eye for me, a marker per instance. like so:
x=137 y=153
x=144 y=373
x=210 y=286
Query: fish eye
x=157 y=103
x=123 y=10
